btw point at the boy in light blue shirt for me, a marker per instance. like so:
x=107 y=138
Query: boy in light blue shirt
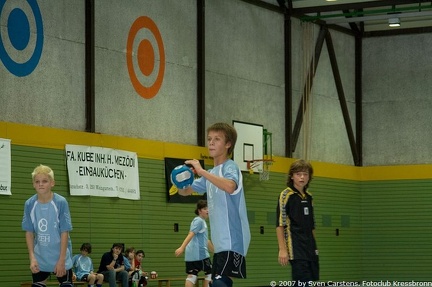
x=229 y=224
x=47 y=223
x=196 y=247
x=83 y=267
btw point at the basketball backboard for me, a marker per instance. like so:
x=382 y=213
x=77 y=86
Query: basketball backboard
x=249 y=146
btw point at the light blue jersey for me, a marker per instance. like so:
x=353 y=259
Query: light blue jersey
x=227 y=212
x=127 y=263
x=47 y=221
x=197 y=248
x=82 y=265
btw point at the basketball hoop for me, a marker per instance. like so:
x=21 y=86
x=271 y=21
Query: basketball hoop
x=263 y=167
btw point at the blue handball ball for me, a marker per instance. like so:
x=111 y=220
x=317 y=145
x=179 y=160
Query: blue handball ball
x=182 y=176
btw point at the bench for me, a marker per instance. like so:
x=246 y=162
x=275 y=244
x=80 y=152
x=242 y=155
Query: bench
x=53 y=283
x=162 y=282
x=166 y=282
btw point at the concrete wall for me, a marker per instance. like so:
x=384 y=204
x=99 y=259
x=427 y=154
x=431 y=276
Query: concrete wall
x=120 y=110
x=245 y=67
x=52 y=94
x=244 y=77
x=397 y=100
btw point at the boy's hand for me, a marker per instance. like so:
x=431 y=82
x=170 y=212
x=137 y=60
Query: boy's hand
x=60 y=269
x=283 y=257
x=178 y=251
x=34 y=266
x=196 y=165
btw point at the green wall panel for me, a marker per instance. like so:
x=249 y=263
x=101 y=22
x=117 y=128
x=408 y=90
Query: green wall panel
x=396 y=234
x=365 y=230
x=338 y=225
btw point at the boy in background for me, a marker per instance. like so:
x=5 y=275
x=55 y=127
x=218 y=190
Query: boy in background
x=112 y=266
x=226 y=204
x=196 y=244
x=138 y=274
x=83 y=267
x=139 y=256
x=47 y=223
x=295 y=226
x=129 y=260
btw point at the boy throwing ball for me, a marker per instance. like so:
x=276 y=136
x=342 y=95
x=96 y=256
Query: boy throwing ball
x=226 y=205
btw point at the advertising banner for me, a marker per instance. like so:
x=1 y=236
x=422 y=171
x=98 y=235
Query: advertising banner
x=106 y=172
x=5 y=167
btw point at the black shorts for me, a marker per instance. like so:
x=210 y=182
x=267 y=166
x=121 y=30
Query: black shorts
x=304 y=270
x=84 y=277
x=194 y=267
x=42 y=275
x=229 y=263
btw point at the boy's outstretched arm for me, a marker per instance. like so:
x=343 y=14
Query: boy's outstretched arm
x=188 y=238
x=228 y=185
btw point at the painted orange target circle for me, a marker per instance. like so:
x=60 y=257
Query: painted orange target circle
x=145 y=57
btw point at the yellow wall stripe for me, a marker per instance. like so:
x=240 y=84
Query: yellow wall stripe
x=36 y=136
x=399 y=172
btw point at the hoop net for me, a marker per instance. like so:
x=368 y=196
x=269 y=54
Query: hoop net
x=263 y=167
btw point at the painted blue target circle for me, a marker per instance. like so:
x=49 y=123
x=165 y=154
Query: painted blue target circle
x=19 y=35
x=18 y=29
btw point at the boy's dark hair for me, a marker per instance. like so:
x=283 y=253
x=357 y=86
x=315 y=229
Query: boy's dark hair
x=200 y=205
x=140 y=252
x=86 y=246
x=229 y=132
x=120 y=245
x=299 y=166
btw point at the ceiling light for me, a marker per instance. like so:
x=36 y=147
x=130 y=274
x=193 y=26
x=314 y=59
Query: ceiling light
x=394 y=22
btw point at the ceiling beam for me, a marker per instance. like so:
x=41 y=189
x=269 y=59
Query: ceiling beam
x=264 y=5
x=337 y=20
x=361 y=5
x=342 y=99
x=307 y=88
x=407 y=31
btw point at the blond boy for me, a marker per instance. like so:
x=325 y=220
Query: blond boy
x=47 y=223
